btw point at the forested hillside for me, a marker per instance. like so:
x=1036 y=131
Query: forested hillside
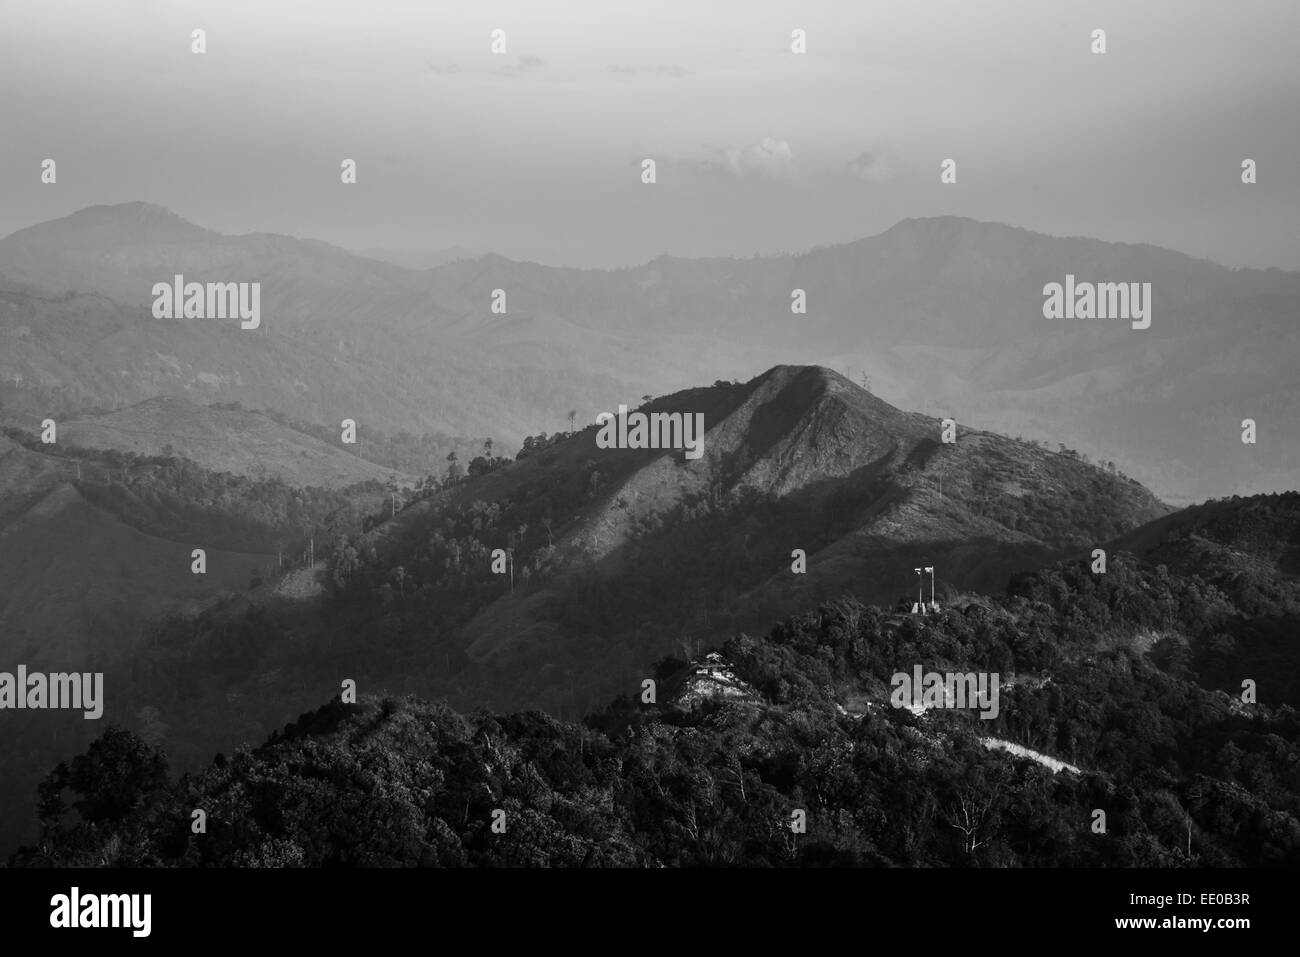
x=1185 y=777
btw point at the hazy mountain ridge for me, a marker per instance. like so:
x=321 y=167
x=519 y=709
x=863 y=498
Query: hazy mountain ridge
x=944 y=314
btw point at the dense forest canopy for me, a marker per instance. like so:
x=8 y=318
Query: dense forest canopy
x=1187 y=773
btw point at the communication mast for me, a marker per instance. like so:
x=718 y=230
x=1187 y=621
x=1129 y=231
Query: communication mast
x=919 y=606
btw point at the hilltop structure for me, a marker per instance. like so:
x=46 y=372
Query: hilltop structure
x=710 y=679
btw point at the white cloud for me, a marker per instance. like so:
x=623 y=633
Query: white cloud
x=770 y=158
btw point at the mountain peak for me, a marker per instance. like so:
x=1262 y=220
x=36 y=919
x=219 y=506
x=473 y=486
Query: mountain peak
x=932 y=228
x=135 y=221
x=139 y=208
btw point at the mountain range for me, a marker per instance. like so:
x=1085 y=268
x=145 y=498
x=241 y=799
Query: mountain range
x=422 y=560
x=943 y=315
x=809 y=487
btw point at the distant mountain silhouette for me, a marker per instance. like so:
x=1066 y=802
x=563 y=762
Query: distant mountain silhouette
x=943 y=314
x=410 y=259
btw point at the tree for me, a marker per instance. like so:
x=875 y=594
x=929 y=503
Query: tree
x=573 y=414
x=346 y=561
x=118 y=772
x=392 y=490
x=548 y=518
x=971 y=816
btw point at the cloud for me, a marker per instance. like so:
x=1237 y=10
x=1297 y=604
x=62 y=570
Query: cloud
x=675 y=72
x=871 y=166
x=769 y=158
x=440 y=69
x=524 y=65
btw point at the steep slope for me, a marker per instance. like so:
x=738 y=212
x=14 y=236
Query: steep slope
x=96 y=550
x=620 y=556
x=93 y=546
x=79 y=582
x=80 y=588
x=1238 y=619
x=1261 y=534
x=806 y=460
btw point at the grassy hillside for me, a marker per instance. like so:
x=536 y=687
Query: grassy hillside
x=220 y=440
x=79 y=582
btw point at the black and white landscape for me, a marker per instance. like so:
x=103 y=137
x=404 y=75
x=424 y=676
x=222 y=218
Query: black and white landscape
x=754 y=435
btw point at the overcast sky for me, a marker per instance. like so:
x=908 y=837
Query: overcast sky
x=536 y=154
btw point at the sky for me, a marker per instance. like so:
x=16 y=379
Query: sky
x=536 y=153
